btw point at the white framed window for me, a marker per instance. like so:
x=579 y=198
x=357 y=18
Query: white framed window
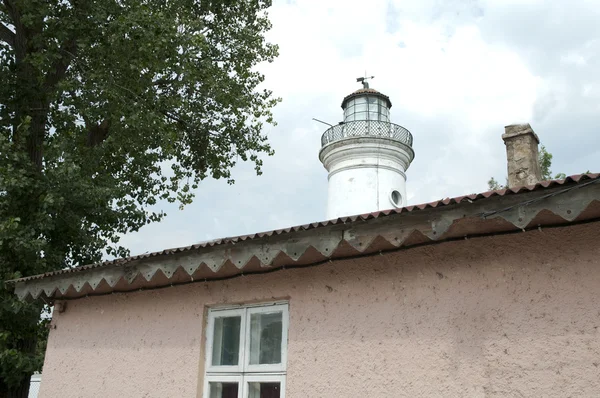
x=246 y=351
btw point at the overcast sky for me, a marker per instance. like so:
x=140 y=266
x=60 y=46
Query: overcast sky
x=456 y=72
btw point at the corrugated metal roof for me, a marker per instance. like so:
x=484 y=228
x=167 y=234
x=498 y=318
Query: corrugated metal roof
x=579 y=178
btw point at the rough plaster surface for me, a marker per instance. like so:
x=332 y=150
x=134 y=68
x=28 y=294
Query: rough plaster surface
x=507 y=316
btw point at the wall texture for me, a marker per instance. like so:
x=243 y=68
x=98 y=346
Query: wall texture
x=513 y=315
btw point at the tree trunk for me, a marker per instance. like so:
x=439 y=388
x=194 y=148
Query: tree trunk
x=37 y=131
x=30 y=103
x=22 y=391
x=30 y=95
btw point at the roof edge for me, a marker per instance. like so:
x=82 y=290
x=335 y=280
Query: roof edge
x=490 y=212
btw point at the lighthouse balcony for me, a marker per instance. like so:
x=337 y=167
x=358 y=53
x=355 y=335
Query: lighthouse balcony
x=367 y=128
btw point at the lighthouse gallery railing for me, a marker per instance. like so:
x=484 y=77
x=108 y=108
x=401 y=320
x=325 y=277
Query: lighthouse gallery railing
x=362 y=128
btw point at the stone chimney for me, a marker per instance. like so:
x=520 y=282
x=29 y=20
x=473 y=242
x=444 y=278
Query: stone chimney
x=522 y=155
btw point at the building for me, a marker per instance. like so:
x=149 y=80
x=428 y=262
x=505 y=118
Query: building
x=485 y=295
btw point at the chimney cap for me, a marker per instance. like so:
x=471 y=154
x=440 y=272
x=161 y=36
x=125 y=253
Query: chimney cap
x=515 y=130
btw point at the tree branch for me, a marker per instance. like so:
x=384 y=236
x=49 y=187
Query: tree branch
x=7 y=35
x=68 y=52
x=97 y=133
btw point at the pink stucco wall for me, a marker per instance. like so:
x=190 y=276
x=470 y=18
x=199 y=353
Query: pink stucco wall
x=514 y=315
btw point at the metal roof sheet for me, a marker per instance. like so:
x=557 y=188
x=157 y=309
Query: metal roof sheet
x=229 y=244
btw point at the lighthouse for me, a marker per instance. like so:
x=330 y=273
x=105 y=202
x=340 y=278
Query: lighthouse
x=366 y=156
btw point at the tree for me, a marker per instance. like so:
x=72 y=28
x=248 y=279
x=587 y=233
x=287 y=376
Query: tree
x=545 y=161
x=107 y=107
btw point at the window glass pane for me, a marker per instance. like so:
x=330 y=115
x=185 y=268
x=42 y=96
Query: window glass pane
x=373 y=116
x=360 y=100
x=223 y=390
x=349 y=118
x=226 y=341
x=361 y=107
x=349 y=103
x=264 y=390
x=265 y=338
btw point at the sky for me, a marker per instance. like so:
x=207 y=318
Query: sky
x=456 y=72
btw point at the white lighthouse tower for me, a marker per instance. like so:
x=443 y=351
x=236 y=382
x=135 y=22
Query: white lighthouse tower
x=366 y=156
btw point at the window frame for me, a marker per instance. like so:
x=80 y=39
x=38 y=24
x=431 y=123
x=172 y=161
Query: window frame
x=280 y=367
x=210 y=368
x=243 y=373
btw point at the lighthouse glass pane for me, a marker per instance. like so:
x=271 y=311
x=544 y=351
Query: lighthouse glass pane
x=384 y=113
x=372 y=103
x=360 y=100
x=349 y=114
x=361 y=107
x=373 y=116
x=360 y=115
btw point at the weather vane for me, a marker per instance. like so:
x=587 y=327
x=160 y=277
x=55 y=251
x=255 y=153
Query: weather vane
x=364 y=81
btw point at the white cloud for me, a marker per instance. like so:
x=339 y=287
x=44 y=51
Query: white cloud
x=456 y=71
